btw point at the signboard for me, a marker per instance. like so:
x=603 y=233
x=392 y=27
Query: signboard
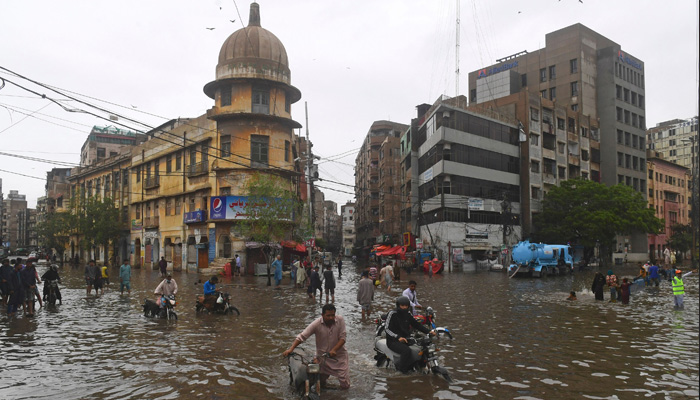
x=427 y=176
x=476 y=204
x=136 y=225
x=419 y=243
x=194 y=216
x=383 y=238
x=489 y=71
x=458 y=255
x=150 y=235
x=474 y=236
x=233 y=207
x=310 y=242
x=212 y=244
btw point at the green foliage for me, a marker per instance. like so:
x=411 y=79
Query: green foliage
x=681 y=237
x=585 y=212
x=271 y=209
x=56 y=229
x=98 y=222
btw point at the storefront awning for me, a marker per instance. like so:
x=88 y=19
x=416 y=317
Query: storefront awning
x=294 y=246
x=257 y=245
x=392 y=251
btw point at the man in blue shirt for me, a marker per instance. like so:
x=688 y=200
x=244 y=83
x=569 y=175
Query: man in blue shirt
x=278 y=271
x=653 y=275
x=210 y=286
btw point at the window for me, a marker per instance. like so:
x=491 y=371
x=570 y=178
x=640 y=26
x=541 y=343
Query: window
x=627 y=117
x=626 y=95
x=259 y=150
x=287 y=102
x=552 y=93
x=628 y=161
x=574 y=89
x=534 y=139
x=618 y=92
x=543 y=74
x=178 y=161
x=584 y=155
x=101 y=152
x=534 y=114
x=618 y=114
x=543 y=93
x=561 y=147
x=560 y=124
x=193 y=156
x=523 y=80
x=534 y=166
x=178 y=204
x=138 y=174
x=552 y=72
x=286 y=150
x=640 y=101
x=226 y=146
x=574 y=107
x=261 y=101
x=168 y=206
x=619 y=136
x=634 y=98
x=635 y=139
x=535 y=192
x=168 y=163
x=628 y=139
x=572 y=125
x=620 y=159
x=642 y=123
x=562 y=172
x=573 y=65
x=226 y=96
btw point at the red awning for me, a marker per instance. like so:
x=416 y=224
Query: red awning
x=393 y=251
x=294 y=246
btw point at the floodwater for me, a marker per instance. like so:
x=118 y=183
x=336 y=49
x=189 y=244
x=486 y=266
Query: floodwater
x=513 y=339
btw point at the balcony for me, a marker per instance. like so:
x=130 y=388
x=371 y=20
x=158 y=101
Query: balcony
x=200 y=168
x=151 y=182
x=151 y=222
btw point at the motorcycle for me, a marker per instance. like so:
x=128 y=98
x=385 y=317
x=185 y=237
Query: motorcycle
x=165 y=310
x=305 y=374
x=218 y=304
x=428 y=318
x=423 y=355
x=52 y=289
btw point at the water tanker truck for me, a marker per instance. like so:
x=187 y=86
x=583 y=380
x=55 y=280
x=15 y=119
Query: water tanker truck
x=540 y=260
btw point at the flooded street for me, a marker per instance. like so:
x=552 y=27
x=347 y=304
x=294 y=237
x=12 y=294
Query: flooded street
x=513 y=339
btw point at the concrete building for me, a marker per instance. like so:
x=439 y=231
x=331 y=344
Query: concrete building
x=105 y=141
x=347 y=212
x=468 y=180
x=672 y=140
x=332 y=226
x=584 y=72
x=669 y=196
x=390 y=201
x=367 y=183
x=14 y=220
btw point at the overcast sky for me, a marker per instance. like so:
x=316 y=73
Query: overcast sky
x=355 y=61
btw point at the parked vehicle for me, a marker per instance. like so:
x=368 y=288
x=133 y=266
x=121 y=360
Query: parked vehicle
x=52 y=290
x=167 y=311
x=427 y=318
x=540 y=260
x=219 y=304
x=305 y=373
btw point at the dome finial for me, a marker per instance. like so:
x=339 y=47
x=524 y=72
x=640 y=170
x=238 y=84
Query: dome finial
x=254 y=18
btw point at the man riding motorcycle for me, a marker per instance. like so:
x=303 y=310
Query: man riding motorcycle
x=51 y=275
x=167 y=288
x=398 y=323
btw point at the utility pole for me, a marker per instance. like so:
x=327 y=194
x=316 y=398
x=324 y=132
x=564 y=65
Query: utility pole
x=457 y=52
x=309 y=164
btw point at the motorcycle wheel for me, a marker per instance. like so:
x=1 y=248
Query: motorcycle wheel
x=231 y=309
x=200 y=308
x=442 y=371
x=173 y=315
x=52 y=298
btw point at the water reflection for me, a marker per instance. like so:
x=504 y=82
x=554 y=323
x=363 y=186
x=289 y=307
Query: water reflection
x=513 y=338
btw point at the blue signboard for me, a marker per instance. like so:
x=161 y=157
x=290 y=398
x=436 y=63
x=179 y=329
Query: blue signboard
x=482 y=73
x=194 y=216
x=212 y=244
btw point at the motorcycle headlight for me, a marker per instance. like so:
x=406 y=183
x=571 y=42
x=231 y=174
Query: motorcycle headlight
x=313 y=368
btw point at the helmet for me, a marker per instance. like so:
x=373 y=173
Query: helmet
x=435 y=259
x=403 y=301
x=678 y=271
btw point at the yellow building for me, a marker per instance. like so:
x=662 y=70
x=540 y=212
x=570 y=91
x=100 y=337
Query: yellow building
x=187 y=164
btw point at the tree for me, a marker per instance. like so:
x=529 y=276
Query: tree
x=98 y=223
x=272 y=209
x=586 y=213
x=681 y=238
x=55 y=231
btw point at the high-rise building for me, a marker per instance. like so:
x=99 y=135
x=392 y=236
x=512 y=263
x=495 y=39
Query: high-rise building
x=105 y=141
x=673 y=140
x=367 y=183
x=590 y=75
x=14 y=220
x=348 y=215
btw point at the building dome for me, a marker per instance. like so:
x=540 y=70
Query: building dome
x=252 y=53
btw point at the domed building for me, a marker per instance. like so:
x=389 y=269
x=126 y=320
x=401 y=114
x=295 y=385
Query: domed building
x=189 y=182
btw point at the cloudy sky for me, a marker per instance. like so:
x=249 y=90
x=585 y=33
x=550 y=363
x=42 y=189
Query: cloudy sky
x=355 y=61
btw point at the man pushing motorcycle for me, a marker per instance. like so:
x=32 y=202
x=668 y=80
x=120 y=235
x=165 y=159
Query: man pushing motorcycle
x=397 y=331
x=330 y=338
